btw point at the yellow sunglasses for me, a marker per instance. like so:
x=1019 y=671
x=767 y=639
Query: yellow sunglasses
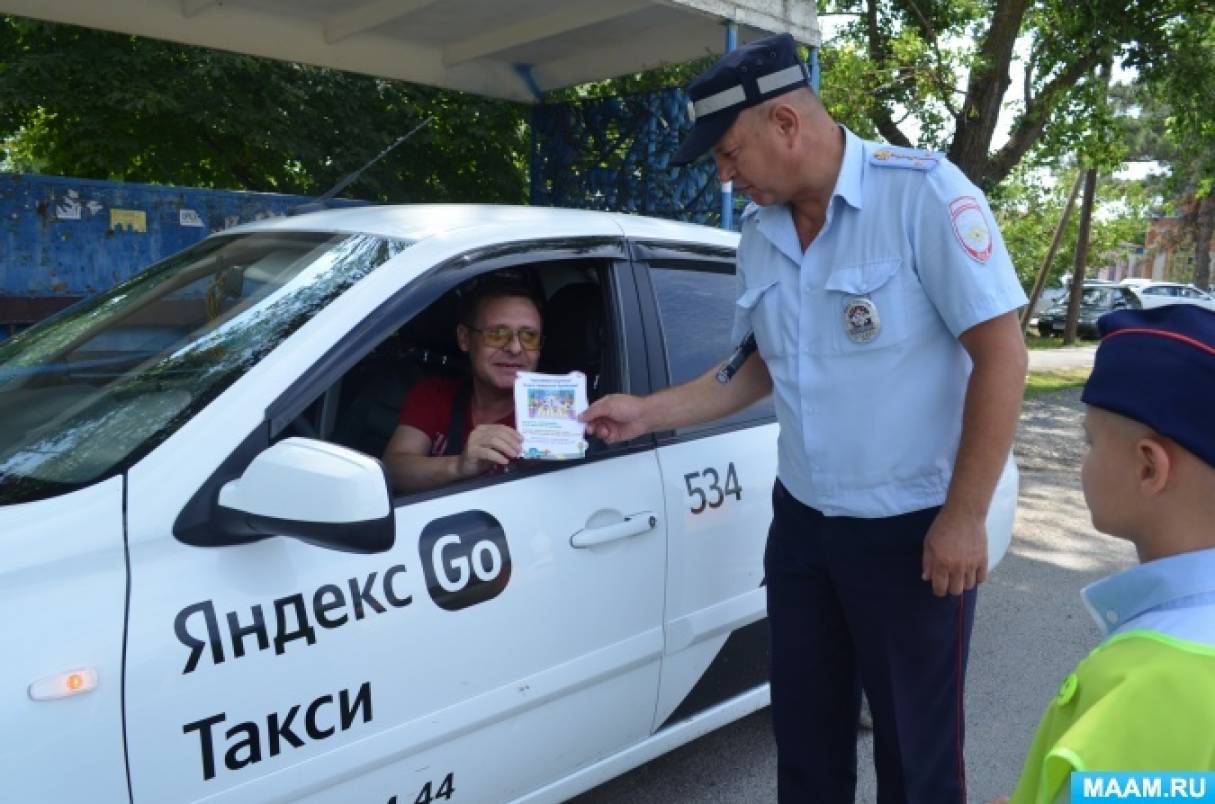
x=500 y=337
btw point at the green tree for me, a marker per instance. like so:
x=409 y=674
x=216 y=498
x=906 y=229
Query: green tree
x=946 y=65
x=1029 y=204
x=81 y=102
x=1174 y=122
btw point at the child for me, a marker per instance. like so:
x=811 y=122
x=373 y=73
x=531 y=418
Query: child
x=1144 y=699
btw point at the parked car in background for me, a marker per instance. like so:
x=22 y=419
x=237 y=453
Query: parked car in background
x=1098 y=299
x=1158 y=294
x=1057 y=294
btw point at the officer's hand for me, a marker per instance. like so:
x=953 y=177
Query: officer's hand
x=616 y=417
x=955 y=552
x=489 y=445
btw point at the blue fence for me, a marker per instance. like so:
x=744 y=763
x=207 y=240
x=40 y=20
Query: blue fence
x=62 y=239
x=615 y=154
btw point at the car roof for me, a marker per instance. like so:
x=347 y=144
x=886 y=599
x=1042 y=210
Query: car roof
x=420 y=221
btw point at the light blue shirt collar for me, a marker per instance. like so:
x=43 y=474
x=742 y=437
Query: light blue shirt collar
x=775 y=222
x=1160 y=584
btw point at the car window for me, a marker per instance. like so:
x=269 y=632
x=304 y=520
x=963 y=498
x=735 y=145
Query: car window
x=1097 y=297
x=579 y=335
x=87 y=391
x=1155 y=291
x=696 y=311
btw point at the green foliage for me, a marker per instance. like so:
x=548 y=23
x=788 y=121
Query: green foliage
x=671 y=75
x=80 y=102
x=1049 y=382
x=903 y=62
x=1177 y=97
x=1028 y=207
x=1173 y=103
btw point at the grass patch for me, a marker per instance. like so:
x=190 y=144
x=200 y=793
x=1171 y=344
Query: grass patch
x=1038 y=342
x=1044 y=382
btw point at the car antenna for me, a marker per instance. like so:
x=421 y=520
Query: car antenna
x=322 y=202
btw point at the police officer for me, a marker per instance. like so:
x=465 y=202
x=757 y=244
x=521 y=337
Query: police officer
x=884 y=306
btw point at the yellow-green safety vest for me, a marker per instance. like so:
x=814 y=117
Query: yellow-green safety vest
x=1141 y=701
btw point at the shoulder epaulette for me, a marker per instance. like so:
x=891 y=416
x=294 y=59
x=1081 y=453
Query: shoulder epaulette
x=911 y=158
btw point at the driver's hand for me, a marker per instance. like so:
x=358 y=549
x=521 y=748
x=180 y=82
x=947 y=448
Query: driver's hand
x=489 y=445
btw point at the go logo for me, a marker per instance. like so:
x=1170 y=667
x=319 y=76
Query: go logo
x=465 y=559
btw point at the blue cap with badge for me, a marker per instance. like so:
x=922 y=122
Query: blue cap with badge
x=1157 y=366
x=744 y=77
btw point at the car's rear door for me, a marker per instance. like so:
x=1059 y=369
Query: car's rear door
x=718 y=480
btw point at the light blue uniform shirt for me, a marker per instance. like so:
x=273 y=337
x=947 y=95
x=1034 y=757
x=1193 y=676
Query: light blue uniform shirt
x=1174 y=596
x=871 y=428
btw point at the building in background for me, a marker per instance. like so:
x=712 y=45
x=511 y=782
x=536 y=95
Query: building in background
x=1170 y=251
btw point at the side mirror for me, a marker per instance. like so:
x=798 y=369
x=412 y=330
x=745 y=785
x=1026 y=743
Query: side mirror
x=313 y=491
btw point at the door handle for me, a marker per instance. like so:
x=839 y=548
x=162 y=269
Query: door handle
x=633 y=525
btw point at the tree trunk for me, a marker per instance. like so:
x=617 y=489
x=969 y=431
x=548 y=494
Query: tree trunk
x=1080 y=264
x=989 y=80
x=1202 y=242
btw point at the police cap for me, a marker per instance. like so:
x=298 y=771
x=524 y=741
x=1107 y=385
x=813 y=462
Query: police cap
x=1157 y=366
x=744 y=77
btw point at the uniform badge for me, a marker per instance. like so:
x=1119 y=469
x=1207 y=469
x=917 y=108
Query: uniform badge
x=904 y=158
x=861 y=320
x=970 y=227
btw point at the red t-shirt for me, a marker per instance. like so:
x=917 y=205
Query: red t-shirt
x=428 y=407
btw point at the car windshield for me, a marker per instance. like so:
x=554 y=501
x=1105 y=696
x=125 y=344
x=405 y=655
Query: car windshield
x=85 y=393
x=1099 y=297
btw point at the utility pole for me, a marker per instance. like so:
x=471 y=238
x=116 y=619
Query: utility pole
x=1081 y=260
x=1086 y=219
x=1044 y=270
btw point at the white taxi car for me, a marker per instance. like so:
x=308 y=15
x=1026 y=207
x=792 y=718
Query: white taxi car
x=211 y=592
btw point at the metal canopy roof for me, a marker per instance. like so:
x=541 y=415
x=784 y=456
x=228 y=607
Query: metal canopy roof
x=510 y=49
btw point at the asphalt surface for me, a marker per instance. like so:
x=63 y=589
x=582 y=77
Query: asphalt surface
x=1030 y=631
x=1062 y=359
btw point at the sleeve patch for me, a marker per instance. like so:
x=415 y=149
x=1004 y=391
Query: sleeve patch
x=970 y=227
x=904 y=158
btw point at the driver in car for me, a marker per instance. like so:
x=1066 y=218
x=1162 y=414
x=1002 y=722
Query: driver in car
x=456 y=428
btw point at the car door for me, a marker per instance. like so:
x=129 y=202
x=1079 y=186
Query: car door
x=718 y=480
x=538 y=609
x=511 y=634
x=1190 y=295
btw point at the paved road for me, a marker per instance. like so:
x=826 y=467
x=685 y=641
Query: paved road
x=1062 y=359
x=1029 y=632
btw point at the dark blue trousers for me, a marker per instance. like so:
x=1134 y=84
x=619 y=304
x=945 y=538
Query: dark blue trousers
x=847 y=609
